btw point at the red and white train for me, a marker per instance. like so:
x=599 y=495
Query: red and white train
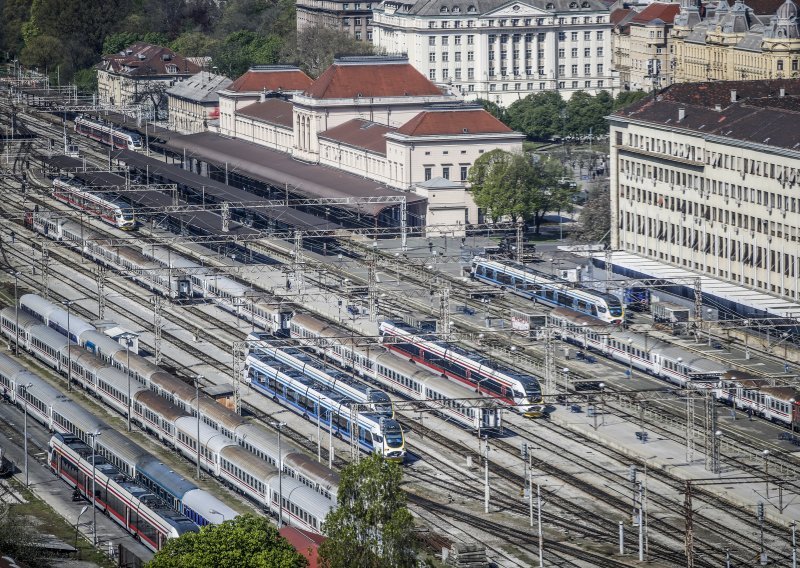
x=74 y=193
x=107 y=134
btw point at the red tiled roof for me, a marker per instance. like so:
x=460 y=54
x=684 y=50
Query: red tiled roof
x=143 y=59
x=618 y=15
x=361 y=134
x=453 y=122
x=276 y=111
x=268 y=78
x=304 y=542
x=371 y=79
x=663 y=12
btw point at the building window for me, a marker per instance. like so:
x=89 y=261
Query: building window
x=600 y=69
x=599 y=52
x=587 y=69
x=445 y=172
x=541 y=70
x=357 y=21
x=431 y=24
x=492 y=87
x=458 y=56
x=491 y=71
x=541 y=86
x=432 y=40
x=600 y=84
x=574 y=84
x=470 y=87
x=457 y=40
x=574 y=69
x=587 y=36
x=505 y=86
x=562 y=36
x=600 y=35
x=464 y=171
x=428 y=173
x=517 y=86
x=529 y=70
x=587 y=52
x=432 y=57
x=491 y=56
x=470 y=40
x=574 y=52
x=445 y=74
x=471 y=73
x=794 y=64
x=369 y=35
x=445 y=56
x=432 y=74
x=458 y=74
x=345 y=21
x=574 y=36
x=561 y=69
x=780 y=64
x=492 y=39
x=561 y=53
x=529 y=86
x=358 y=35
x=587 y=84
x=503 y=55
x=470 y=56
x=561 y=85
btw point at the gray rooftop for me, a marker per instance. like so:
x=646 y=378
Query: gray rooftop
x=201 y=88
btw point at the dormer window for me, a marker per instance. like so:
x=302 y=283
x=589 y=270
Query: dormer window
x=471 y=10
x=585 y=5
x=549 y=6
x=573 y=5
x=443 y=10
x=456 y=10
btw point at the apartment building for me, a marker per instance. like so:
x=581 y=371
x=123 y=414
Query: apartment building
x=706 y=177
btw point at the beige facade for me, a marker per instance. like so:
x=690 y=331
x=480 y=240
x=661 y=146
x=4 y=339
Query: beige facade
x=353 y=18
x=736 y=42
x=194 y=103
x=693 y=187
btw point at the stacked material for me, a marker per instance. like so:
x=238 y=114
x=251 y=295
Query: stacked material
x=467 y=555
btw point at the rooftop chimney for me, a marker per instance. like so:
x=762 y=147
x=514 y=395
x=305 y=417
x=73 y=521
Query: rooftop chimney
x=263 y=96
x=733 y=96
x=782 y=93
x=681 y=114
x=718 y=108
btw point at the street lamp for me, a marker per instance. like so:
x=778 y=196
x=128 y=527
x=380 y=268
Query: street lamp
x=215 y=512
x=791 y=413
x=94 y=436
x=765 y=453
x=600 y=386
x=25 y=444
x=69 y=303
x=78 y=523
x=279 y=426
x=565 y=370
x=715 y=456
x=197 y=405
x=708 y=319
x=15 y=274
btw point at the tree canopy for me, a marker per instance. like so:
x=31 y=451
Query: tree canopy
x=247 y=541
x=595 y=219
x=371 y=526
x=506 y=184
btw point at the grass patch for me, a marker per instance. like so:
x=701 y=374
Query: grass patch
x=37 y=516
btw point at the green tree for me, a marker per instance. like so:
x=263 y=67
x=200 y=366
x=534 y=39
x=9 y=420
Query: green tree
x=194 y=44
x=585 y=113
x=240 y=50
x=116 y=42
x=595 y=218
x=371 y=526
x=314 y=48
x=244 y=542
x=506 y=184
x=538 y=115
x=626 y=98
x=13 y=15
x=494 y=109
x=86 y=80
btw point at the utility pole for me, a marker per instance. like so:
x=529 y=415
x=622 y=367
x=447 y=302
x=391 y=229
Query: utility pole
x=641 y=522
x=157 y=329
x=689 y=536
x=539 y=516
x=549 y=359
x=45 y=260
x=297 y=265
x=486 y=478
x=689 y=428
x=609 y=269
x=372 y=289
x=794 y=544
x=763 y=553
x=444 y=312
x=519 y=251
x=710 y=431
x=101 y=291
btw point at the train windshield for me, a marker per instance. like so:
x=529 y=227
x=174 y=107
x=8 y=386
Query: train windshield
x=136 y=140
x=614 y=308
x=394 y=436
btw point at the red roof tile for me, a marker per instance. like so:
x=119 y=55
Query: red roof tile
x=618 y=15
x=304 y=542
x=275 y=111
x=663 y=12
x=144 y=59
x=271 y=78
x=453 y=122
x=361 y=134
x=371 y=77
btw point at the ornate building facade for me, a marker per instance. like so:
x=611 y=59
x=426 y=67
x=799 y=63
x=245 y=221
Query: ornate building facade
x=723 y=42
x=499 y=50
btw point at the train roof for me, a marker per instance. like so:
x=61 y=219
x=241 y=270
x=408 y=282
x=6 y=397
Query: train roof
x=39 y=388
x=313 y=470
x=209 y=437
x=50 y=337
x=87 y=360
x=784 y=393
x=172 y=482
x=207 y=505
x=10 y=367
x=305 y=358
x=252 y=464
x=305 y=497
x=101 y=344
x=25 y=319
x=312 y=384
x=445 y=387
x=159 y=404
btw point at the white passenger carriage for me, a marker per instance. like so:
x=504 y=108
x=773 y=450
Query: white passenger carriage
x=103 y=205
x=108 y=133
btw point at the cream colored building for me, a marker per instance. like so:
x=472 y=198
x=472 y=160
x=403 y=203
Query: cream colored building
x=194 y=103
x=741 y=41
x=711 y=184
x=499 y=50
x=379 y=118
x=353 y=18
x=141 y=75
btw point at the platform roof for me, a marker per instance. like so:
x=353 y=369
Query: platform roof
x=710 y=286
x=281 y=170
x=175 y=174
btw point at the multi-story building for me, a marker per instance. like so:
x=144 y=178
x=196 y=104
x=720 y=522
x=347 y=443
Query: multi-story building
x=194 y=103
x=722 y=42
x=141 y=75
x=353 y=18
x=641 y=47
x=502 y=51
x=379 y=118
x=707 y=178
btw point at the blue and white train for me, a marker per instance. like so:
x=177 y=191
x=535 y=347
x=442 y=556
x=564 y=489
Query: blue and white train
x=551 y=291
x=334 y=411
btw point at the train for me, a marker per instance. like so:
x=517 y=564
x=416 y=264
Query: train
x=451 y=400
x=165 y=407
x=113 y=211
x=124 y=501
x=678 y=366
x=107 y=133
x=549 y=290
x=297 y=389
x=519 y=390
